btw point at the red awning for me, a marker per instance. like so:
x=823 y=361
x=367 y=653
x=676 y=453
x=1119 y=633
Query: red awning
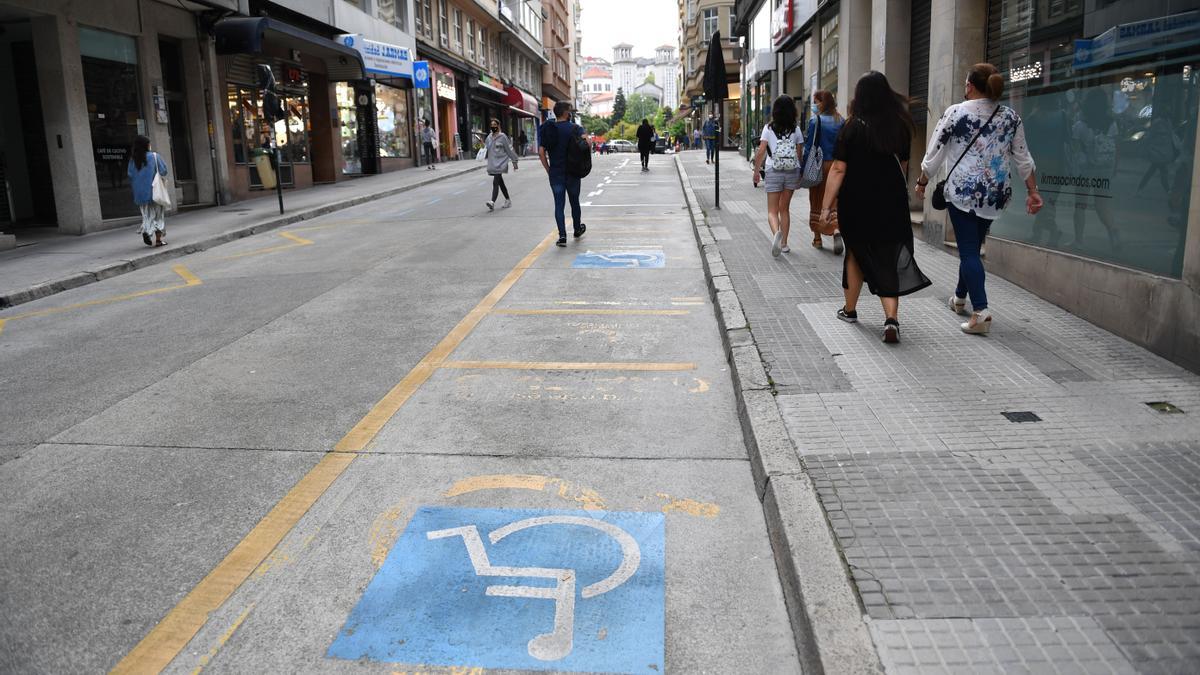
x=521 y=102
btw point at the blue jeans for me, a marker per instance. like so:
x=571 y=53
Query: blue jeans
x=710 y=148
x=564 y=187
x=969 y=232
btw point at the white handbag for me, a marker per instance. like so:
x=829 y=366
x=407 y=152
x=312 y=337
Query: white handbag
x=161 y=194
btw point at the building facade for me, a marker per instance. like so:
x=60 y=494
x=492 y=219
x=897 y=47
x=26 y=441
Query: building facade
x=625 y=68
x=699 y=20
x=557 y=78
x=1110 y=97
x=666 y=74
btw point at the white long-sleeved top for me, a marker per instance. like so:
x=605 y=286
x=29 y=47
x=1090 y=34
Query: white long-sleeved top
x=982 y=181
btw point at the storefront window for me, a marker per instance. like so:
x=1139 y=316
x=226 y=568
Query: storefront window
x=348 y=126
x=291 y=132
x=110 y=81
x=829 y=54
x=391 y=107
x=1113 y=138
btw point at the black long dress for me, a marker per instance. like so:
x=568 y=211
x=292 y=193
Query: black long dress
x=873 y=215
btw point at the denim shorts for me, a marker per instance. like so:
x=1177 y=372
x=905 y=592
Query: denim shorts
x=778 y=181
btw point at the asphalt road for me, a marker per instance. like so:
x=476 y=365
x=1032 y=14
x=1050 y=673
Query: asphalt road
x=371 y=441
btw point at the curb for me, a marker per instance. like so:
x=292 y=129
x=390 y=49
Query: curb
x=828 y=621
x=48 y=288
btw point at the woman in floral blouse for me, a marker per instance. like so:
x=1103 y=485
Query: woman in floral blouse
x=979 y=188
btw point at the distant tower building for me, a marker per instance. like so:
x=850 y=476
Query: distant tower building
x=625 y=68
x=666 y=75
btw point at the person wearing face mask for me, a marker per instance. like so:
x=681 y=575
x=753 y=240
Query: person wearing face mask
x=828 y=121
x=499 y=152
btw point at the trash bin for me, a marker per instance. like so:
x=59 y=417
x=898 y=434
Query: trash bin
x=266 y=169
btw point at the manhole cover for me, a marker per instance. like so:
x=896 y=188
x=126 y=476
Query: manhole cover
x=1022 y=416
x=1164 y=407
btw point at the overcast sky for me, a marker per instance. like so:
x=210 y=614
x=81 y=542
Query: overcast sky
x=645 y=24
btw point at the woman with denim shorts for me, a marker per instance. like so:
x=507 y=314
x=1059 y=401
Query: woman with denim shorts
x=780 y=147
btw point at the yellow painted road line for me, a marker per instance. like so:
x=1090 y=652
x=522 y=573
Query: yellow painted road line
x=162 y=644
x=221 y=642
x=589 y=498
x=189 y=279
x=297 y=242
x=584 y=310
x=366 y=429
x=181 y=624
x=566 y=365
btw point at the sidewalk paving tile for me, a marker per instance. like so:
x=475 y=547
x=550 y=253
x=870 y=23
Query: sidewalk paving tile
x=1070 y=544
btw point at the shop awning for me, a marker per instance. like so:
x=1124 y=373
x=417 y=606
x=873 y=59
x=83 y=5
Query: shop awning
x=521 y=102
x=247 y=35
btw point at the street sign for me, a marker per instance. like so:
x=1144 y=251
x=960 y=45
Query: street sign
x=643 y=259
x=517 y=589
x=421 y=74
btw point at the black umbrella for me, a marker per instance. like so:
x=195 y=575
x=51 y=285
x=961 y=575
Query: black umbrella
x=716 y=89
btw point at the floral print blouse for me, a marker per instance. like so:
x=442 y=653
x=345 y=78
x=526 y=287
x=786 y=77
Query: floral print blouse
x=982 y=183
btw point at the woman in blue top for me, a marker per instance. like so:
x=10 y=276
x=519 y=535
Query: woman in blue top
x=825 y=113
x=142 y=167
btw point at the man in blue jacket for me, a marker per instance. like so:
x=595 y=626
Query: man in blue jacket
x=554 y=136
x=710 y=139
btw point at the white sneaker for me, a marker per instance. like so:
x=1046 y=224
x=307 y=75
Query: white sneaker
x=507 y=204
x=786 y=249
x=958 y=305
x=980 y=323
x=777 y=244
x=491 y=205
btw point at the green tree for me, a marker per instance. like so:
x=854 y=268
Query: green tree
x=622 y=130
x=650 y=77
x=594 y=125
x=639 y=107
x=618 y=112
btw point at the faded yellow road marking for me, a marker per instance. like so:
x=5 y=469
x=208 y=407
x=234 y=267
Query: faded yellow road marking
x=189 y=279
x=369 y=426
x=297 y=242
x=383 y=533
x=688 y=506
x=566 y=365
x=584 y=310
x=223 y=639
x=181 y=624
x=162 y=644
x=589 y=498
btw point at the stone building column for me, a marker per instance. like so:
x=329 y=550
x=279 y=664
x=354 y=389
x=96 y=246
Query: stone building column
x=891 y=27
x=958 y=34
x=854 y=47
x=68 y=134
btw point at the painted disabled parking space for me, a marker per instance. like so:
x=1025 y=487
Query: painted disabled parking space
x=628 y=259
x=517 y=588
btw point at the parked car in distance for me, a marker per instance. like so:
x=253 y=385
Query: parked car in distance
x=620 y=145
x=660 y=146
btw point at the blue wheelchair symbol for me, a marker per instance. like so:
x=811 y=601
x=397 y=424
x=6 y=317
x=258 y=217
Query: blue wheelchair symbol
x=644 y=259
x=517 y=589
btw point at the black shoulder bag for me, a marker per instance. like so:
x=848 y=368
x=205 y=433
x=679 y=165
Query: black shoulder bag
x=939 y=192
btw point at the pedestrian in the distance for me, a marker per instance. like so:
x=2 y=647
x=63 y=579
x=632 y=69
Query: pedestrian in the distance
x=868 y=182
x=780 y=146
x=645 y=142
x=143 y=167
x=429 y=144
x=696 y=139
x=983 y=137
x=555 y=136
x=830 y=121
x=522 y=142
x=499 y=152
x=710 y=139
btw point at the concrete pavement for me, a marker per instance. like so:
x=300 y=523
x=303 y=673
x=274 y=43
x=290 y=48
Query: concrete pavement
x=235 y=462
x=1021 y=502
x=46 y=262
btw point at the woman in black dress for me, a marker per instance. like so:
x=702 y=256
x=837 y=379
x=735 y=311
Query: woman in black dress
x=868 y=181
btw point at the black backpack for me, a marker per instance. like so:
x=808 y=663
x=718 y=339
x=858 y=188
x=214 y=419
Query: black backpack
x=579 y=155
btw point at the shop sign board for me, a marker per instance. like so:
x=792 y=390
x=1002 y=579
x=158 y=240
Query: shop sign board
x=789 y=17
x=381 y=57
x=421 y=74
x=445 y=87
x=1130 y=39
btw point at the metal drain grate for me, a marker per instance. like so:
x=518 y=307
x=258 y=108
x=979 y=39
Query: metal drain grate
x=1022 y=416
x=1164 y=407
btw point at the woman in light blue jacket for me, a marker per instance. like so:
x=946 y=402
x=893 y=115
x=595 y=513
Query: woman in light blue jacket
x=142 y=167
x=499 y=151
